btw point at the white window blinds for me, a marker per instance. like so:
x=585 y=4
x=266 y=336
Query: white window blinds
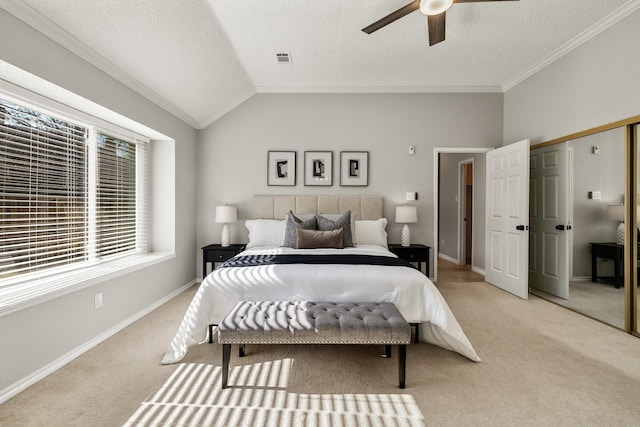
x=116 y=194
x=68 y=194
x=43 y=191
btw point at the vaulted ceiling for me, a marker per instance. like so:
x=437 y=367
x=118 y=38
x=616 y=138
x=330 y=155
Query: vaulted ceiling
x=201 y=58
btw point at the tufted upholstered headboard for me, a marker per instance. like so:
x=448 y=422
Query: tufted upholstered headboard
x=275 y=207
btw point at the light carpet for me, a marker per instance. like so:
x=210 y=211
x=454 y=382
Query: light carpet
x=542 y=365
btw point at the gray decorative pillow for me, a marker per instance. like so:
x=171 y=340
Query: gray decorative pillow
x=312 y=239
x=293 y=224
x=344 y=222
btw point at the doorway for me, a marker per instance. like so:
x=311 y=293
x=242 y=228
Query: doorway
x=447 y=232
x=465 y=215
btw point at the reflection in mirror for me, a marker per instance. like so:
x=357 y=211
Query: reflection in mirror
x=576 y=190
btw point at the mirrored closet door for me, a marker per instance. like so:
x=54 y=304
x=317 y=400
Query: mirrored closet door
x=576 y=204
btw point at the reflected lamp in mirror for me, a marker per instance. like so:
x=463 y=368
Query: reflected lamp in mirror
x=616 y=213
x=226 y=214
x=406 y=215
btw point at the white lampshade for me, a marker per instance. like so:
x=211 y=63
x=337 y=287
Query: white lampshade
x=226 y=214
x=434 y=7
x=615 y=212
x=406 y=214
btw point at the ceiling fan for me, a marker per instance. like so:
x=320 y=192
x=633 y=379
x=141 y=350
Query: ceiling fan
x=435 y=11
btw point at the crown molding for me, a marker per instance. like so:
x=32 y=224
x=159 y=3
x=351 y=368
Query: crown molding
x=45 y=26
x=574 y=43
x=379 y=89
x=221 y=112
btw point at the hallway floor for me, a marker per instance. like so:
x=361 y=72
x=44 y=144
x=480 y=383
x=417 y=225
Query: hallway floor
x=450 y=272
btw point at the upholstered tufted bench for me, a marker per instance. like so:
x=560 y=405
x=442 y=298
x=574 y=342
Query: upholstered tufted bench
x=305 y=322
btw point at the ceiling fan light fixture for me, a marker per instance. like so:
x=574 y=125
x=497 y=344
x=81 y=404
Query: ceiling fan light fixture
x=434 y=7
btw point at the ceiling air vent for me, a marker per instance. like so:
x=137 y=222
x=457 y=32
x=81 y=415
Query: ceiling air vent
x=283 y=58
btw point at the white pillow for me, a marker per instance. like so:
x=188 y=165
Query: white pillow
x=371 y=232
x=265 y=232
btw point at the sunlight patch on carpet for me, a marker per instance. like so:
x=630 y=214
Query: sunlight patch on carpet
x=257 y=396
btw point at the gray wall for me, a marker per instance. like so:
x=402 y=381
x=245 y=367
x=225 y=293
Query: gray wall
x=595 y=84
x=232 y=152
x=34 y=338
x=449 y=205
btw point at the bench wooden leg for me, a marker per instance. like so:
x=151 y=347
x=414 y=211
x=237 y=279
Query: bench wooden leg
x=402 y=364
x=416 y=337
x=241 y=350
x=387 y=350
x=226 y=354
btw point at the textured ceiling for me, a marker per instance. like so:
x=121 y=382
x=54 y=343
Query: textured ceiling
x=201 y=58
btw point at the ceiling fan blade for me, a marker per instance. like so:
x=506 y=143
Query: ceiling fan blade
x=436 y=25
x=393 y=16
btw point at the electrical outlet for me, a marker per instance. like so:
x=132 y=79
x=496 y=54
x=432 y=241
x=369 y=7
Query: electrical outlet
x=411 y=196
x=98 y=301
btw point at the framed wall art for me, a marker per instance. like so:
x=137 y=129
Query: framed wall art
x=318 y=168
x=281 y=168
x=354 y=168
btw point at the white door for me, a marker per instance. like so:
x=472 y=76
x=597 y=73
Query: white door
x=549 y=220
x=507 y=235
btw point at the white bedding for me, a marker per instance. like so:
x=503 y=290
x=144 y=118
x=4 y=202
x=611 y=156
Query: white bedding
x=411 y=291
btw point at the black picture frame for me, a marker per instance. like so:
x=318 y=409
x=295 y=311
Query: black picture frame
x=318 y=168
x=354 y=168
x=281 y=168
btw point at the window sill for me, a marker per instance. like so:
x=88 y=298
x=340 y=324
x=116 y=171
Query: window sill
x=18 y=297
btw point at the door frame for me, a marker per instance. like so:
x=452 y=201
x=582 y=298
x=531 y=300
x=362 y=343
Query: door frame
x=436 y=177
x=462 y=208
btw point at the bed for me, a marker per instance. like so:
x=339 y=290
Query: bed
x=362 y=271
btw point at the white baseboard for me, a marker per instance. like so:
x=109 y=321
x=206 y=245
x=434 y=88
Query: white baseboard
x=448 y=258
x=478 y=270
x=26 y=382
x=455 y=261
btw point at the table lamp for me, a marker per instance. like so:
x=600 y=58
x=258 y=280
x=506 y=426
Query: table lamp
x=406 y=215
x=616 y=213
x=226 y=214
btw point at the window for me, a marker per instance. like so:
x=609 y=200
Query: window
x=116 y=219
x=71 y=195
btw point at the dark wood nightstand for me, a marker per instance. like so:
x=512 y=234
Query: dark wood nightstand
x=612 y=251
x=413 y=253
x=217 y=253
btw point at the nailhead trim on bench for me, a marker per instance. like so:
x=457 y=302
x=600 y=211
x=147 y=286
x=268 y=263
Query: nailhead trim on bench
x=306 y=322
